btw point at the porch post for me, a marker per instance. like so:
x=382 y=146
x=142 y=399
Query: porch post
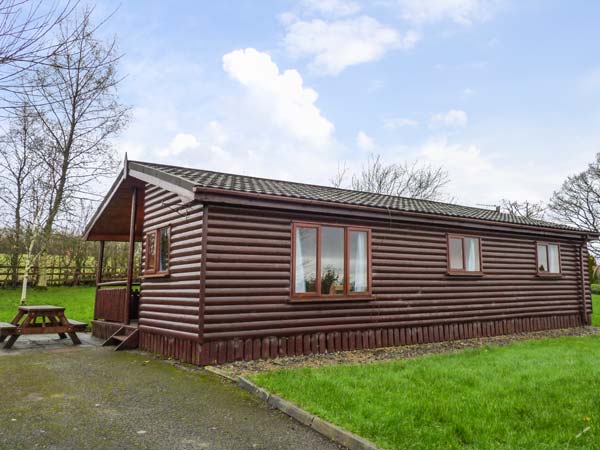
x=131 y=252
x=100 y=264
x=99 y=276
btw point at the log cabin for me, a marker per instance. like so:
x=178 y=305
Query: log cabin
x=235 y=267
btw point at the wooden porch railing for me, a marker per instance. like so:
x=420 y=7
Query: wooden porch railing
x=114 y=301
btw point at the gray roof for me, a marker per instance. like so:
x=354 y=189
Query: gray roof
x=243 y=183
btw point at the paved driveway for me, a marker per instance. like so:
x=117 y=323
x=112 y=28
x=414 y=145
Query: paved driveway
x=95 y=398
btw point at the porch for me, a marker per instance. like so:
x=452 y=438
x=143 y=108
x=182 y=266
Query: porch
x=116 y=307
x=118 y=219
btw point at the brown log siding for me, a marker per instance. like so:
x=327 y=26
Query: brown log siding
x=410 y=280
x=169 y=305
x=248 y=315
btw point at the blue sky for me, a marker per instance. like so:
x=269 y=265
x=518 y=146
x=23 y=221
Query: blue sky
x=505 y=95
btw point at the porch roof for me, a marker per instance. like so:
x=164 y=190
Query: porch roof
x=111 y=220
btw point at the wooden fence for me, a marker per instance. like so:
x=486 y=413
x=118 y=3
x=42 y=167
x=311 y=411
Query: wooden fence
x=58 y=275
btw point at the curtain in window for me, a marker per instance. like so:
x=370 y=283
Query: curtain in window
x=553 y=259
x=542 y=258
x=306 y=260
x=358 y=261
x=472 y=254
x=300 y=277
x=456 y=254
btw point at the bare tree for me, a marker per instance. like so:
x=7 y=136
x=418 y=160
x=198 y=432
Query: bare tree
x=577 y=203
x=35 y=218
x=26 y=42
x=405 y=179
x=73 y=249
x=18 y=164
x=340 y=177
x=525 y=210
x=79 y=113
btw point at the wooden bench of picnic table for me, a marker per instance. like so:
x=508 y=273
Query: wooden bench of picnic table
x=7 y=329
x=77 y=326
x=53 y=320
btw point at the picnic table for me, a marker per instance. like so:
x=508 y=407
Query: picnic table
x=42 y=319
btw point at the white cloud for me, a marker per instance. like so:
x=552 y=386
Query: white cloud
x=471 y=173
x=213 y=138
x=331 y=7
x=463 y=12
x=455 y=118
x=266 y=123
x=468 y=92
x=336 y=45
x=364 y=141
x=394 y=123
x=279 y=96
x=466 y=157
x=480 y=176
x=180 y=143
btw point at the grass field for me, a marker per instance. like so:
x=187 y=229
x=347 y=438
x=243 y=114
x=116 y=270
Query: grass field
x=542 y=394
x=78 y=301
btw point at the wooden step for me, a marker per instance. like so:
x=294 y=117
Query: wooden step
x=124 y=338
x=129 y=342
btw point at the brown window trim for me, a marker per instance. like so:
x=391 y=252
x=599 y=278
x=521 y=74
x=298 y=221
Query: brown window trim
x=547 y=275
x=154 y=273
x=316 y=296
x=336 y=298
x=463 y=272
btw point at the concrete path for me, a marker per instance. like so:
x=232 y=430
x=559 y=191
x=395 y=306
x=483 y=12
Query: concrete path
x=89 y=397
x=44 y=342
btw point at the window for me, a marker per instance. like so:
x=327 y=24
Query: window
x=157 y=252
x=330 y=261
x=548 y=259
x=464 y=254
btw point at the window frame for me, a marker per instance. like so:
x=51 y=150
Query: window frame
x=547 y=274
x=463 y=272
x=150 y=273
x=317 y=296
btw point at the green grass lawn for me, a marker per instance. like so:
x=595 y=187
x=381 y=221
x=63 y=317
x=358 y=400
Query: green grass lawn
x=596 y=310
x=541 y=394
x=78 y=301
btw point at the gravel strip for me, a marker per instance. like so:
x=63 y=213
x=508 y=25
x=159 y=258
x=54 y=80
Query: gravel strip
x=246 y=368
